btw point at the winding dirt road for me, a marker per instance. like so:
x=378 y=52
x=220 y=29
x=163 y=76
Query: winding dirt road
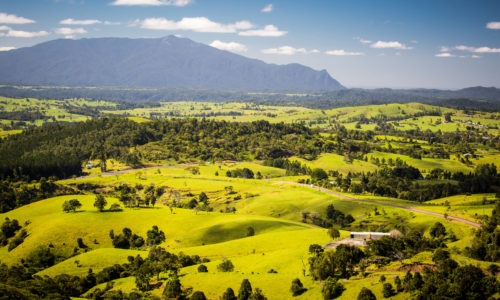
x=409 y=208
x=418 y=210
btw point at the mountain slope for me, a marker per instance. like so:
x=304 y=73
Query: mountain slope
x=164 y=62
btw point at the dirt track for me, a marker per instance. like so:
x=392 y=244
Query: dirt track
x=460 y=220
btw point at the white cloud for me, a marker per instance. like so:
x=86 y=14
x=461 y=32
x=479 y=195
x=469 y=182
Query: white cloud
x=268 y=8
x=444 y=49
x=3 y=27
x=231 y=46
x=444 y=54
x=7 y=48
x=391 y=44
x=111 y=23
x=13 y=19
x=315 y=51
x=343 y=53
x=478 y=50
x=24 y=34
x=70 y=32
x=151 y=2
x=476 y=56
x=284 y=50
x=362 y=40
x=198 y=24
x=79 y=22
x=493 y=25
x=268 y=31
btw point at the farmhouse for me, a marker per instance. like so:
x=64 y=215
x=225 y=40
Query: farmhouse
x=369 y=235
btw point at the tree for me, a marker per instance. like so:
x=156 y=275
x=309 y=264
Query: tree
x=318 y=175
x=203 y=198
x=172 y=288
x=438 y=230
x=333 y=233
x=225 y=266
x=387 y=290
x=198 y=295
x=100 y=202
x=416 y=282
x=493 y=269
x=155 y=236
x=332 y=288
x=245 y=290
x=71 y=205
x=202 y=269
x=257 y=295
x=297 y=288
x=229 y=295
x=366 y=294
x=398 y=283
x=250 y=231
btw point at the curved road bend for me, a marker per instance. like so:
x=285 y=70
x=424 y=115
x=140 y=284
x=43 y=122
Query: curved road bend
x=460 y=220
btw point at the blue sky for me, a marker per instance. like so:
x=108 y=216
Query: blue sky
x=397 y=43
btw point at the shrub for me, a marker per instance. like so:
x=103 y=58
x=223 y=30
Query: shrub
x=332 y=289
x=225 y=266
x=202 y=269
x=198 y=295
x=297 y=288
x=387 y=290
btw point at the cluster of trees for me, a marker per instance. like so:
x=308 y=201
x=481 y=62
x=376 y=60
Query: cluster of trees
x=404 y=182
x=293 y=168
x=126 y=240
x=404 y=247
x=241 y=173
x=14 y=194
x=20 y=281
x=12 y=234
x=450 y=281
x=486 y=243
x=71 y=205
x=332 y=217
x=59 y=150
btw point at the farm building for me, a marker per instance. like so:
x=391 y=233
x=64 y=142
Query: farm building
x=369 y=235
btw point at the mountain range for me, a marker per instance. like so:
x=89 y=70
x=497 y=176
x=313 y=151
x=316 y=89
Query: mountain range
x=169 y=62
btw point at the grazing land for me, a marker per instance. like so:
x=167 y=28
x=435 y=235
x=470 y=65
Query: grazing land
x=250 y=191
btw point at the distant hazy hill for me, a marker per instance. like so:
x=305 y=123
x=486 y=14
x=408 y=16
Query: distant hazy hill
x=163 y=62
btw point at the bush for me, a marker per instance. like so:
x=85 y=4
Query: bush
x=115 y=207
x=172 y=288
x=332 y=289
x=297 y=288
x=438 y=230
x=366 y=294
x=387 y=290
x=198 y=295
x=18 y=240
x=100 y=202
x=250 y=231
x=245 y=290
x=71 y=205
x=334 y=233
x=229 y=295
x=225 y=266
x=202 y=269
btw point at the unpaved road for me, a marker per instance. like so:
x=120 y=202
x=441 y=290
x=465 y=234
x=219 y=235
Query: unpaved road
x=418 y=210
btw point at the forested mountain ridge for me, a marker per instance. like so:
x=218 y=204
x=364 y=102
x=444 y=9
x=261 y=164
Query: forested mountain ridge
x=164 y=62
